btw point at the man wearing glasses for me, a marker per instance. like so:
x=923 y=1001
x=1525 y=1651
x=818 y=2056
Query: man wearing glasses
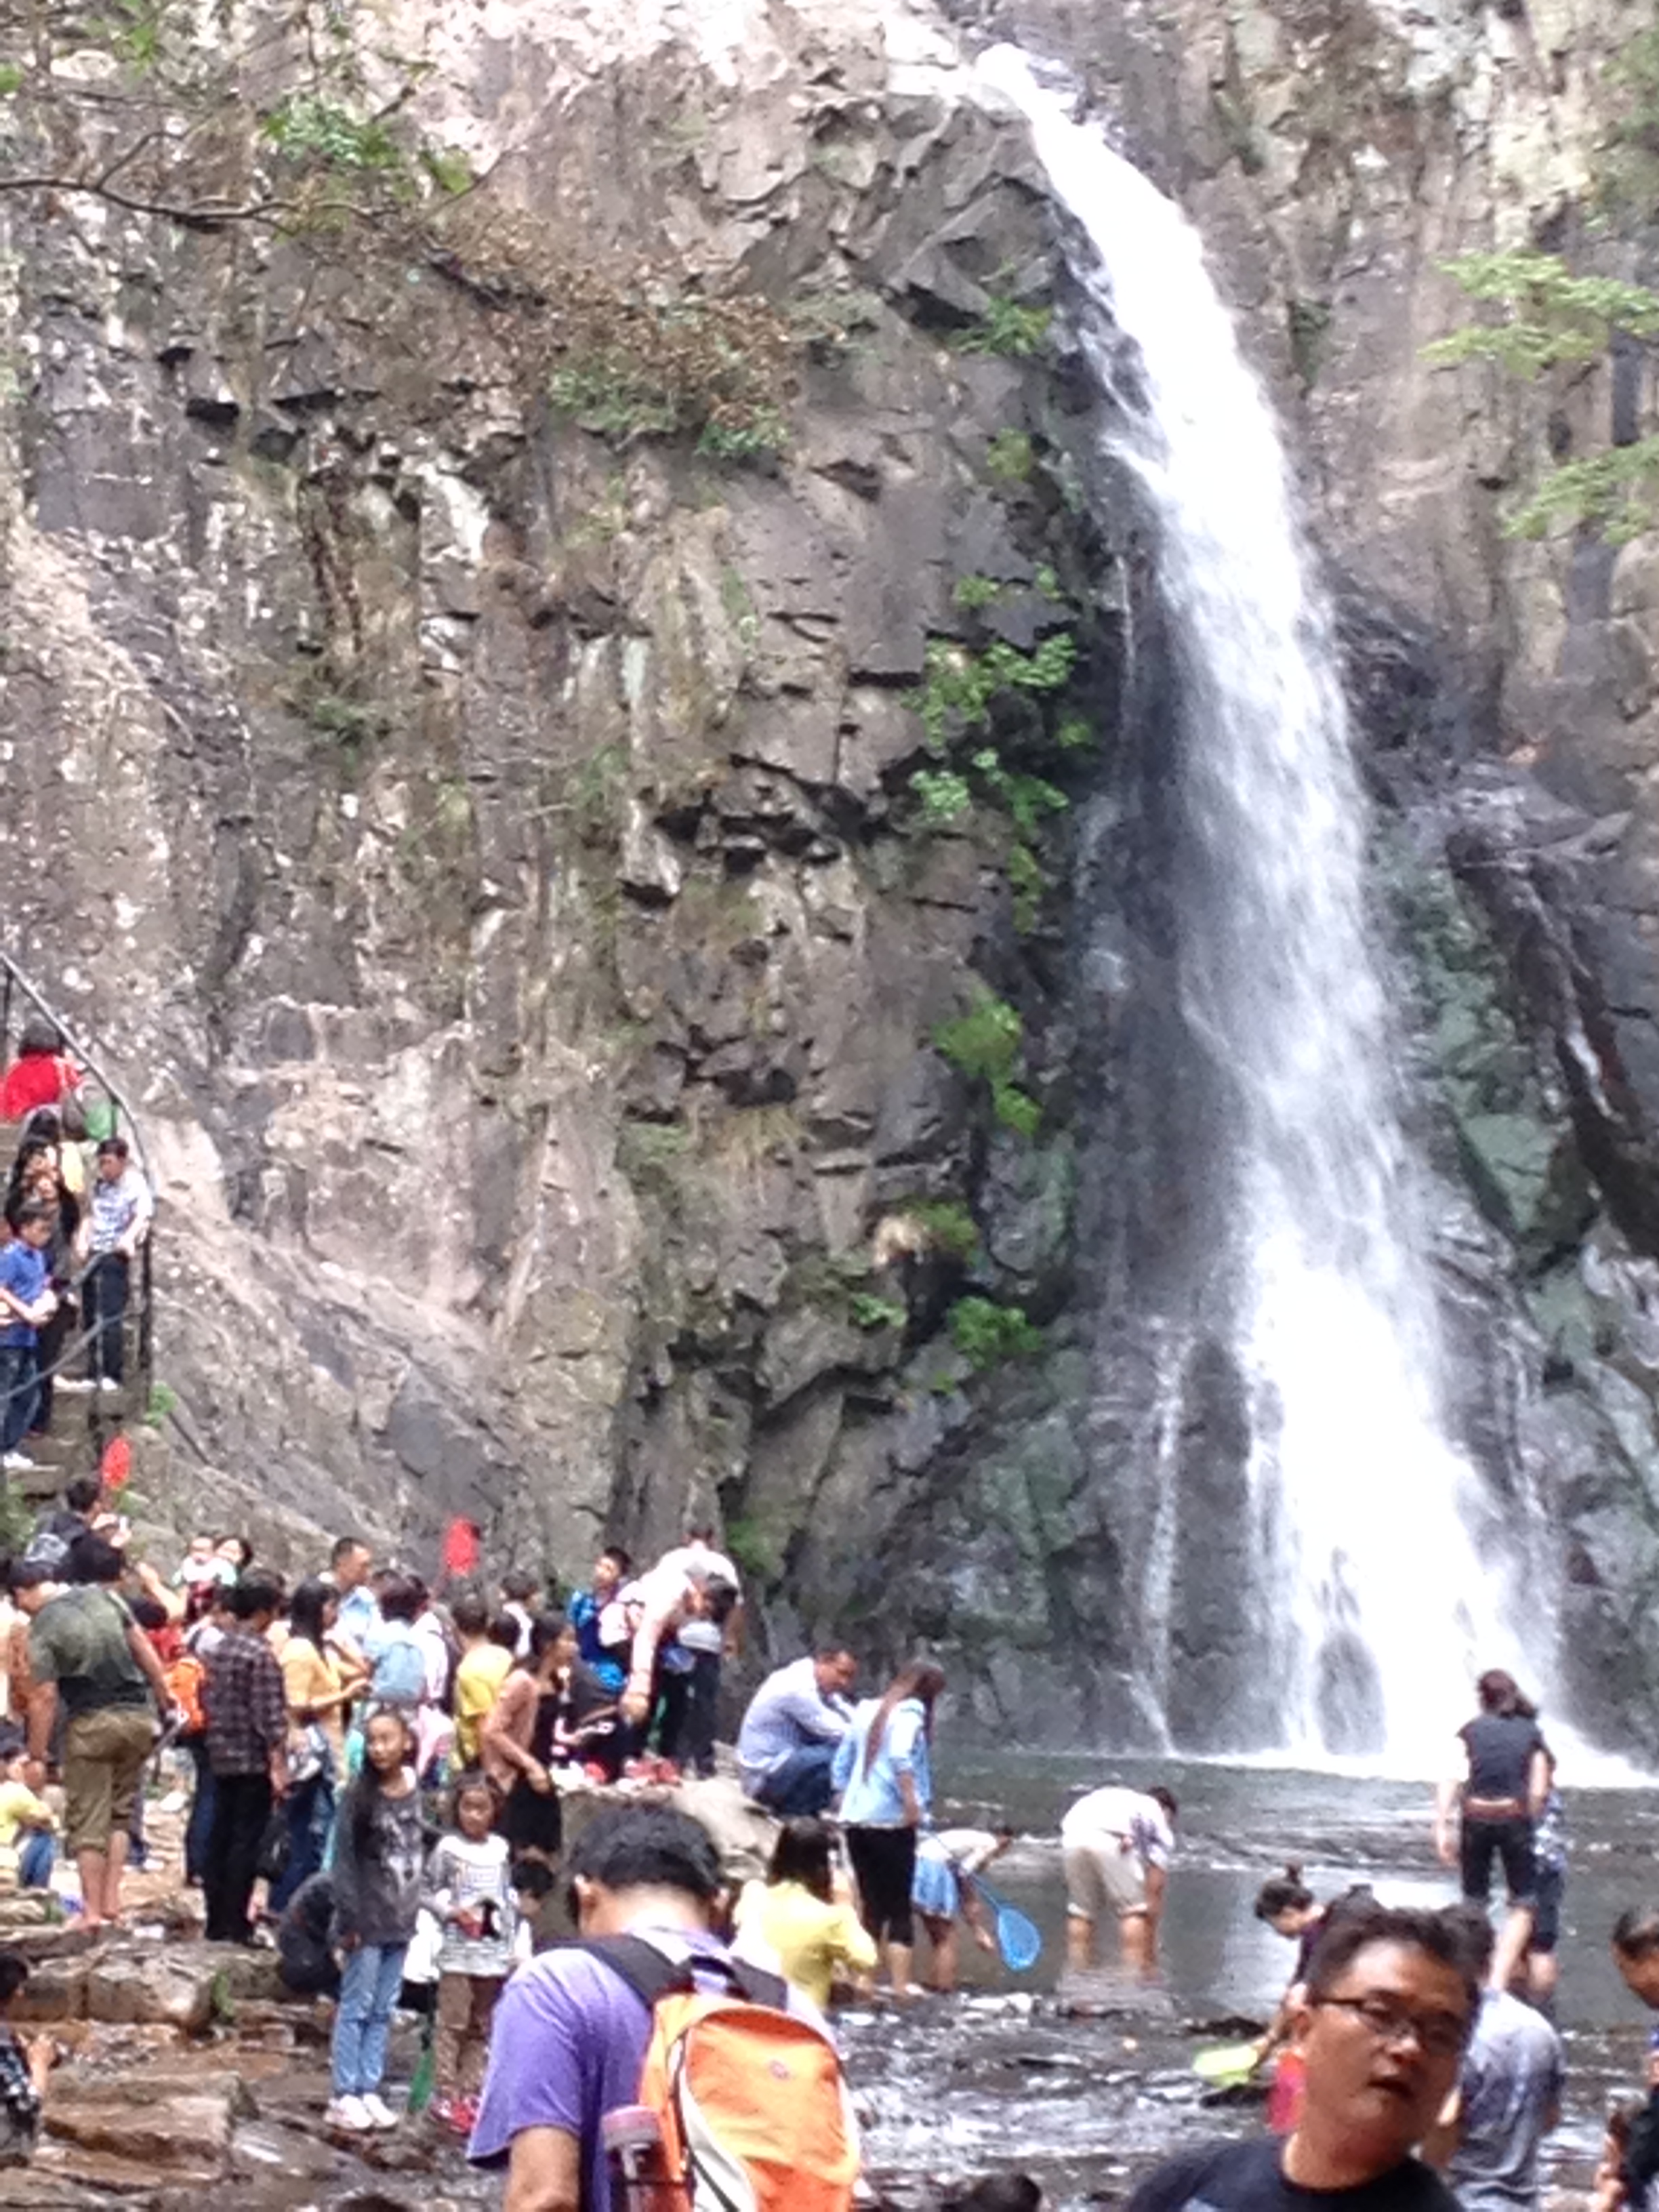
x=1388 y=2002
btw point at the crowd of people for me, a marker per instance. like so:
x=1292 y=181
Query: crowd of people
x=76 y=1215
x=380 y=1776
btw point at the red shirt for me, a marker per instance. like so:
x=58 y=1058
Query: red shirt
x=38 y=1078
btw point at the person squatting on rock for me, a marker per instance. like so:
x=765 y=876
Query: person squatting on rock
x=795 y=1722
x=379 y=1859
x=469 y=1891
x=28 y=1836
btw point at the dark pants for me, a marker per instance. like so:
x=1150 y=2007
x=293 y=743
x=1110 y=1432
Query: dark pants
x=199 y=1828
x=1480 y=1842
x=884 y=1867
x=310 y=1808
x=16 y=1394
x=701 y=1712
x=800 y=1788
x=241 y=1807
x=48 y=1351
x=673 y=1702
x=104 y=1306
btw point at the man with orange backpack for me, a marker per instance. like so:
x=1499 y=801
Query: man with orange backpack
x=648 y=2015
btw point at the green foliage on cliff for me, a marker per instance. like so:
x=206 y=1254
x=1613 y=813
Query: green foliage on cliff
x=652 y=364
x=1549 y=316
x=986 y=1044
x=1006 y=328
x=961 y=686
x=869 y=1311
x=986 y=1334
x=1010 y=456
x=951 y=1228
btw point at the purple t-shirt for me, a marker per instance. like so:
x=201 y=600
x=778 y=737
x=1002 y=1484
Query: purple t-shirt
x=567 y=2045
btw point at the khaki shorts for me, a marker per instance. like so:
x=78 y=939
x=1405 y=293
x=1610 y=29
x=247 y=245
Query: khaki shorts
x=1103 y=1881
x=104 y=1755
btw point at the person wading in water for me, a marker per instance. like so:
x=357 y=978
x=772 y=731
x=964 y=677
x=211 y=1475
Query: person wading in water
x=1500 y=1797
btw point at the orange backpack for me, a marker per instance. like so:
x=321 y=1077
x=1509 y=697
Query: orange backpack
x=754 y=2110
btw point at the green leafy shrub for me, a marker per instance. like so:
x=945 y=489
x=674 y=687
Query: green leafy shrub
x=973 y=592
x=986 y=1334
x=946 y=796
x=1006 y=328
x=951 y=1228
x=1028 y=881
x=755 y=1548
x=984 y=1044
x=869 y=1311
x=1010 y=456
x=960 y=685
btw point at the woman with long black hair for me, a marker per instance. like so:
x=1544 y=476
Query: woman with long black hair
x=883 y=1772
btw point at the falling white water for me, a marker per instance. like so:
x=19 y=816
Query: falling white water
x=1360 y=1500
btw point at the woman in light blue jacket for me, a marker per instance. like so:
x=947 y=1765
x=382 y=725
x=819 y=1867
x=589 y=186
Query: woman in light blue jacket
x=883 y=1773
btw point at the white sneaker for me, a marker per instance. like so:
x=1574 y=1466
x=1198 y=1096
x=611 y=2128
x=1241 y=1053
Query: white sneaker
x=380 y=2115
x=73 y=1382
x=349 y=2113
x=107 y=1383
x=17 y=1463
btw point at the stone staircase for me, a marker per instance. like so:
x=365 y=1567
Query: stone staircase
x=82 y=1422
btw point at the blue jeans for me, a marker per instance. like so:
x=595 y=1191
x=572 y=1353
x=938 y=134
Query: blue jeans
x=369 y=1983
x=310 y=1810
x=37 y=1855
x=800 y=1786
x=200 y=1824
x=17 y=1393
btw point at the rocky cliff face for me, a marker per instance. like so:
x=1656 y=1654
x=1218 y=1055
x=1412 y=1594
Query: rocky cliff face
x=481 y=825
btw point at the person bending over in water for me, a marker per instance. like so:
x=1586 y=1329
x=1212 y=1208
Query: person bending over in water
x=1381 y=2029
x=1291 y=1909
x=1502 y=1795
x=944 y=1889
x=1117 y=1844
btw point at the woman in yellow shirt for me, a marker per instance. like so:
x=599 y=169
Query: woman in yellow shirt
x=794 y=1922
x=318 y=1684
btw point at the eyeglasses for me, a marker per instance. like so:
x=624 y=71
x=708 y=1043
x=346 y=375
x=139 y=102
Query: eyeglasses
x=1439 y=2036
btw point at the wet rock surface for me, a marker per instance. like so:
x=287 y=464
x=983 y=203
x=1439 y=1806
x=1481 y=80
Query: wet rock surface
x=1001 y=2078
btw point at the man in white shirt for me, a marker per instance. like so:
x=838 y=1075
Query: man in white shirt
x=1117 y=1844
x=787 y=1744
x=115 y=1224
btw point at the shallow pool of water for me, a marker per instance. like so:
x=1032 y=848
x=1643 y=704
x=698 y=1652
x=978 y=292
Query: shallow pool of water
x=957 y=2089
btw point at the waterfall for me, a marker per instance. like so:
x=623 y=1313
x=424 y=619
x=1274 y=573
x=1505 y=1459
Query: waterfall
x=1376 y=1605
